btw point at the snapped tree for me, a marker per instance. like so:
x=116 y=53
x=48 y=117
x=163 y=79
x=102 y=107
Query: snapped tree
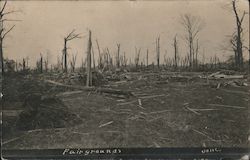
x=89 y=72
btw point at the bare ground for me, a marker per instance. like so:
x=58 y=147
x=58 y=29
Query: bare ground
x=165 y=112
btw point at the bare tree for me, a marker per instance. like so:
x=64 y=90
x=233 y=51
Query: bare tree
x=147 y=57
x=16 y=65
x=118 y=56
x=100 y=60
x=193 y=25
x=89 y=72
x=46 y=62
x=93 y=56
x=158 y=51
x=24 y=64
x=196 y=53
x=27 y=62
x=137 y=57
x=41 y=63
x=73 y=62
x=4 y=31
x=69 y=37
x=238 y=35
x=123 y=60
x=175 y=52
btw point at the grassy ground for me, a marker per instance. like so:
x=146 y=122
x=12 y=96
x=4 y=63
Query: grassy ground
x=166 y=112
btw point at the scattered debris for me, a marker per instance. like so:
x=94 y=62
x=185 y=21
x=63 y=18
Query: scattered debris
x=100 y=90
x=224 y=75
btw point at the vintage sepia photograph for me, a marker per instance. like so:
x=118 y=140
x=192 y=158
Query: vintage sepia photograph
x=124 y=74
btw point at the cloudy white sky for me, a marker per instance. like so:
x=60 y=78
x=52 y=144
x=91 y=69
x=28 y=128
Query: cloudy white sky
x=44 y=24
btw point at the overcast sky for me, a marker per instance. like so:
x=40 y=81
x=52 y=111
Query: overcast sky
x=131 y=23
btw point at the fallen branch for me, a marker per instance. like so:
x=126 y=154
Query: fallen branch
x=11 y=140
x=232 y=91
x=192 y=110
x=156 y=145
x=69 y=93
x=81 y=133
x=159 y=111
x=204 y=134
x=227 y=106
x=105 y=124
x=218 y=86
x=140 y=104
x=126 y=103
x=153 y=96
x=205 y=109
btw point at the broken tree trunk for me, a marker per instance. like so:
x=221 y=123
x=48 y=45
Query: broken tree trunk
x=158 y=51
x=89 y=73
x=175 y=52
x=118 y=56
x=41 y=63
x=99 y=90
x=93 y=54
x=100 y=57
x=147 y=57
x=65 y=55
x=24 y=64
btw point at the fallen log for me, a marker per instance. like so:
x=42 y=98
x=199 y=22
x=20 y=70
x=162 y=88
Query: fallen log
x=163 y=111
x=227 y=106
x=99 y=90
x=127 y=103
x=234 y=91
x=153 y=96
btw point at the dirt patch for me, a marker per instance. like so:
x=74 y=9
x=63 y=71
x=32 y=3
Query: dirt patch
x=45 y=112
